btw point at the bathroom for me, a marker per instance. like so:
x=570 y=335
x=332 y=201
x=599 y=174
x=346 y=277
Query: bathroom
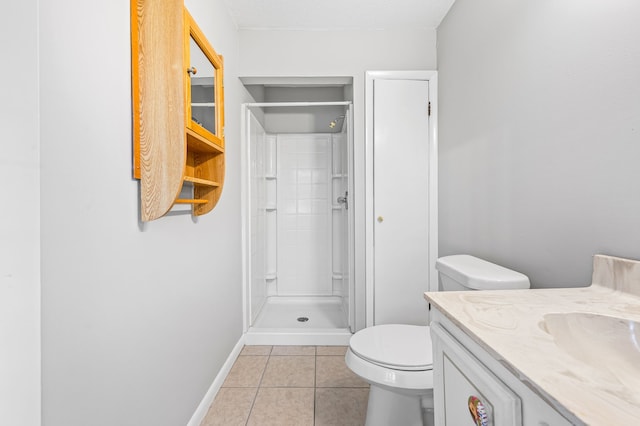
x=540 y=175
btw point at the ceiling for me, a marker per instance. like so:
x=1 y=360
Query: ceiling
x=337 y=14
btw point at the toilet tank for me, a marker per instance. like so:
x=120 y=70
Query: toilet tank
x=464 y=272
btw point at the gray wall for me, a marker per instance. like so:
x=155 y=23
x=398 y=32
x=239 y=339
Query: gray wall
x=540 y=134
x=136 y=319
x=19 y=216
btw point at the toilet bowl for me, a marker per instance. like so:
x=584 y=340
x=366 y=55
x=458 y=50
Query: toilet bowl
x=397 y=359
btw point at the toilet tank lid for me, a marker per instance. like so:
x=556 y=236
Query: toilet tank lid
x=478 y=274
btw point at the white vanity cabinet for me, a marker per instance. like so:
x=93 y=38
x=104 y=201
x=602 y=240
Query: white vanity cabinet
x=471 y=387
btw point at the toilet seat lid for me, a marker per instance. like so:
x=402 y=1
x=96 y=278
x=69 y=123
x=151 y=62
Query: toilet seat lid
x=396 y=346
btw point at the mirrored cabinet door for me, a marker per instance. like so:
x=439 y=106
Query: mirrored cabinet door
x=203 y=88
x=204 y=85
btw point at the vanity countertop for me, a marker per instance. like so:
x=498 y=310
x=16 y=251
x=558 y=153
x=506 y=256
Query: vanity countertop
x=509 y=324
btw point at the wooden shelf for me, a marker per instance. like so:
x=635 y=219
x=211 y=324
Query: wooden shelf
x=189 y=201
x=199 y=181
x=198 y=143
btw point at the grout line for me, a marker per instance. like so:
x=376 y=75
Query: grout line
x=253 y=403
x=264 y=371
x=315 y=383
x=251 y=407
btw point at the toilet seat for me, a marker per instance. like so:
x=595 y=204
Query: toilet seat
x=396 y=357
x=396 y=346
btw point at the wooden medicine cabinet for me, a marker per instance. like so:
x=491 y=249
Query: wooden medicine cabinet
x=178 y=110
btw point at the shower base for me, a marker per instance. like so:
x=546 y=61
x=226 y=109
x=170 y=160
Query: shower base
x=300 y=321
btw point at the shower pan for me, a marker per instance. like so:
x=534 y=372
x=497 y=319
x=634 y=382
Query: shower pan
x=298 y=287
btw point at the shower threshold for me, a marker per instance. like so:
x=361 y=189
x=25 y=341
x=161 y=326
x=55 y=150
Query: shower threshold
x=287 y=320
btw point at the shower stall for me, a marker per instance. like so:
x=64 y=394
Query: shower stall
x=298 y=285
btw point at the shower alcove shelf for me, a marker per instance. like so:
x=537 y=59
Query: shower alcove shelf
x=178 y=110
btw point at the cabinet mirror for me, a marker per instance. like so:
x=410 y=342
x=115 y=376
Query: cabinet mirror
x=204 y=86
x=203 y=89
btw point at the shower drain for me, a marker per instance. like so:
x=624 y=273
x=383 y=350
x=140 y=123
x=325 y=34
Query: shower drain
x=303 y=319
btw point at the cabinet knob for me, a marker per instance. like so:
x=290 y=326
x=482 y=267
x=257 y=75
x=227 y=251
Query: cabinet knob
x=380 y=219
x=192 y=70
x=478 y=411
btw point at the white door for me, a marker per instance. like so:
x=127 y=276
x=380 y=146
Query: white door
x=400 y=200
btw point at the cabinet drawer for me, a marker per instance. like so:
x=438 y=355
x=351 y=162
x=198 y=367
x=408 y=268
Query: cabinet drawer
x=462 y=384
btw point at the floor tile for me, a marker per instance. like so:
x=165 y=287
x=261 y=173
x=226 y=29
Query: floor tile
x=293 y=350
x=283 y=407
x=331 y=350
x=231 y=407
x=246 y=372
x=332 y=372
x=341 y=406
x=256 y=350
x=290 y=389
x=289 y=371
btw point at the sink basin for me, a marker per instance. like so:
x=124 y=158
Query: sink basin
x=606 y=343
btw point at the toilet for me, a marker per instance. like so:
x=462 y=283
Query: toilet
x=397 y=359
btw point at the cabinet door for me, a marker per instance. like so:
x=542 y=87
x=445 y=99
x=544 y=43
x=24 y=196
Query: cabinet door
x=465 y=391
x=204 y=85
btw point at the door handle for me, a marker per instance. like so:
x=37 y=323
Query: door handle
x=343 y=200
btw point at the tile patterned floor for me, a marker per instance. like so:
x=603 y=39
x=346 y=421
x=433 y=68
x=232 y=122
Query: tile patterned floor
x=290 y=386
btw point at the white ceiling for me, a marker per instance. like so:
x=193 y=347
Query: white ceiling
x=337 y=14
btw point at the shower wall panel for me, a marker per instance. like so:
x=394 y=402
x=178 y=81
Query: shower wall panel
x=258 y=188
x=304 y=261
x=271 y=213
x=339 y=187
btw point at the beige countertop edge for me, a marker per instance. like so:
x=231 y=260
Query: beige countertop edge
x=506 y=323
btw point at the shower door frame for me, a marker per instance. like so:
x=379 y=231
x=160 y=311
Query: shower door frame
x=246 y=203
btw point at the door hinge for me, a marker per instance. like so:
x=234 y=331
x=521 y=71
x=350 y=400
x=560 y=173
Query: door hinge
x=429 y=109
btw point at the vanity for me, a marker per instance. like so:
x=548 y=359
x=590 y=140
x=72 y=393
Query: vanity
x=566 y=356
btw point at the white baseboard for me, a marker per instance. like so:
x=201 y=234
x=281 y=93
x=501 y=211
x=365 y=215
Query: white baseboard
x=204 y=405
x=328 y=337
